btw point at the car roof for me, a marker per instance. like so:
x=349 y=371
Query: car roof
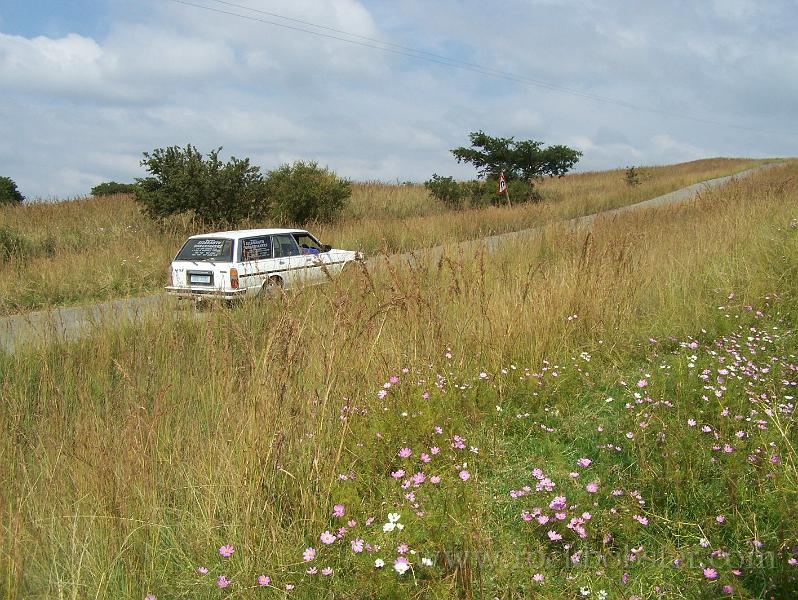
x=242 y=233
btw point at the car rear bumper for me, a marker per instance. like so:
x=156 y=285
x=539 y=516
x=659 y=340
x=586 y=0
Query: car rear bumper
x=184 y=292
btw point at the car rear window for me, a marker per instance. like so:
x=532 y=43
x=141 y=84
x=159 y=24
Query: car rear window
x=207 y=249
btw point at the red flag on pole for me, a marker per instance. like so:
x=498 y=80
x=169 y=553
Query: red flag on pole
x=502 y=184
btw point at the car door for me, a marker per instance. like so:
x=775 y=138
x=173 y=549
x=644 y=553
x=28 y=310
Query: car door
x=316 y=259
x=288 y=263
x=255 y=258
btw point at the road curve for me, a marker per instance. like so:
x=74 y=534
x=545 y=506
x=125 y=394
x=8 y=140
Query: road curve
x=70 y=322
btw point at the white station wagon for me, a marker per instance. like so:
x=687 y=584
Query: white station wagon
x=233 y=264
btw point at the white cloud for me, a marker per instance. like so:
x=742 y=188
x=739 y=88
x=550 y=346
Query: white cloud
x=81 y=109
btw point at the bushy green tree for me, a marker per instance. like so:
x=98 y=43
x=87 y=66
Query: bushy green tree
x=181 y=180
x=486 y=193
x=524 y=160
x=303 y=192
x=9 y=194
x=112 y=187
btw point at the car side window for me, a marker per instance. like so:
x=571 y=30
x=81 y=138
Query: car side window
x=308 y=244
x=257 y=248
x=284 y=245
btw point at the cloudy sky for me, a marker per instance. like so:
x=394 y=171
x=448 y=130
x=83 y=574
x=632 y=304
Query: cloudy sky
x=86 y=86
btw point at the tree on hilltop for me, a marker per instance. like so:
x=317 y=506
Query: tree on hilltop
x=9 y=194
x=522 y=162
x=525 y=160
x=183 y=181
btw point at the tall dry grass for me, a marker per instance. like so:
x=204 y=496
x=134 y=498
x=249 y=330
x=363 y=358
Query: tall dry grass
x=130 y=456
x=102 y=248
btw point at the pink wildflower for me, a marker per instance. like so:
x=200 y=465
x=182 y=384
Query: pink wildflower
x=327 y=571
x=592 y=487
x=401 y=565
x=263 y=580
x=465 y=475
x=309 y=554
x=584 y=462
x=338 y=510
x=327 y=538
x=222 y=582
x=435 y=479
x=538 y=578
x=553 y=535
x=710 y=573
x=202 y=570
x=405 y=453
x=357 y=546
x=226 y=551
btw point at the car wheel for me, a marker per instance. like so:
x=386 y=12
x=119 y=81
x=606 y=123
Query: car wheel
x=272 y=286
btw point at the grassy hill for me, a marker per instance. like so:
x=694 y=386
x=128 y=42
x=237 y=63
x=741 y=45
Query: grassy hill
x=589 y=414
x=100 y=248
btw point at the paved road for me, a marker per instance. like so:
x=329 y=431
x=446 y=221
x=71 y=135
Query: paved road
x=70 y=322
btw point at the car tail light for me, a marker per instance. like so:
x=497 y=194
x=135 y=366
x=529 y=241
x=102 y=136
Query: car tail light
x=234 y=278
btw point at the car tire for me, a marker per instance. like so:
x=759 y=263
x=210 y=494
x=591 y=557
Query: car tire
x=272 y=287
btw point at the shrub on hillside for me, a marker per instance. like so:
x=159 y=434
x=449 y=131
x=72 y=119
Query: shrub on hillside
x=447 y=190
x=112 y=187
x=635 y=176
x=9 y=194
x=519 y=192
x=303 y=192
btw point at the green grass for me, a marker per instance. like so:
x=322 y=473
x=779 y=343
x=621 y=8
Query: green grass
x=131 y=456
